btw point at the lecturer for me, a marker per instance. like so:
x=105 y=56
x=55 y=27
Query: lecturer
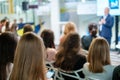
x=106 y=23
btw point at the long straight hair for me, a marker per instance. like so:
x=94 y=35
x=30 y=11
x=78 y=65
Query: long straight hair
x=29 y=59
x=99 y=55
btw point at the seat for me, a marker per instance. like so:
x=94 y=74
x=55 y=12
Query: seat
x=70 y=75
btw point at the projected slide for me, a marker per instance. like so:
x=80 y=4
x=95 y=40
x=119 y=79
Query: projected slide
x=114 y=6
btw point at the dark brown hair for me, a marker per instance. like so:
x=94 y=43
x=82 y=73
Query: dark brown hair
x=8 y=43
x=48 y=38
x=27 y=28
x=93 y=29
x=66 y=55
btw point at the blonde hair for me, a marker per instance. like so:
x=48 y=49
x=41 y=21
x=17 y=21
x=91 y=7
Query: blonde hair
x=29 y=59
x=69 y=27
x=99 y=55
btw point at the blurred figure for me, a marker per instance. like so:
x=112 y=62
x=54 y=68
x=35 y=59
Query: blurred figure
x=7 y=26
x=14 y=28
x=20 y=24
x=69 y=27
x=48 y=39
x=38 y=27
x=8 y=43
x=27 y=28
x=116 y=73
x=15 y=21
x=69 y=56
x=106 y=23
x=29 y=59
x=98 y=66
x=3 y=24
x=87 y=39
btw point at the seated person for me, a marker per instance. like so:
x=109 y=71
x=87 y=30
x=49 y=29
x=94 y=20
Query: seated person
x=98 y=66
x=69 y=27
x=87 y=39
x=8 y=43
x=29 y=59
x=116 y=73
x=48 y=39
x=69 y=56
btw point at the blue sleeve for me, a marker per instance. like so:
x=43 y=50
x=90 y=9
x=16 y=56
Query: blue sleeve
x=37 y=29
x=109 y=22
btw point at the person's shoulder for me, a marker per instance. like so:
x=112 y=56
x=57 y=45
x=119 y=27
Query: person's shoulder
x=109 y=67
x=117 y=69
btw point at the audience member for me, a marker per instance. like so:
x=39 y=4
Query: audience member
x=98 y=66
x=3 y=24
x=69 y=27
x=69 y=57
x=20 y=24
x=48 y=39
x=8 y=43
x=29 y=59
x=27 y=28
x=7 y=26
x=14 y=29
x=87 y=39
x=116 y=73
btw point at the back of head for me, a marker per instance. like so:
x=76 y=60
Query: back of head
x=72 y=41
x=99 y=55
x=29 y=59
x=48 y=38
x=69 y=27
x=93 y=29
x=8 y=43
x=27 y=28
x=67 y=51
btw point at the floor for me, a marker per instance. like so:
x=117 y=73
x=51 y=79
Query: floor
x=115 y=58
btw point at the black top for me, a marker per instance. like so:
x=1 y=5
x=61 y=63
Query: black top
x=116 y=73
x=79 y=62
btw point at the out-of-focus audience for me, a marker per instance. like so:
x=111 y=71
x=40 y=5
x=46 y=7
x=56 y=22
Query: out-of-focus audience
x=33 y=51
x=48 y=39
x=98 y=66
x=8 y=43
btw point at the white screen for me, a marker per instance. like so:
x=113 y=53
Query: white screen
x=114 y=6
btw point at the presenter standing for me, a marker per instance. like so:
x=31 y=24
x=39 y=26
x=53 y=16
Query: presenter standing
x=106 y=23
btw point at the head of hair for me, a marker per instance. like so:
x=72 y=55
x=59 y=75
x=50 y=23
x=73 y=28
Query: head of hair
x=7 y=26
x=3 y=20
x=29 y=59
x=48 y=38
x=8 y=43
x=69 y=27
x=67 y=51
x=99 y=55
x=93 y=29
x=27 y=28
